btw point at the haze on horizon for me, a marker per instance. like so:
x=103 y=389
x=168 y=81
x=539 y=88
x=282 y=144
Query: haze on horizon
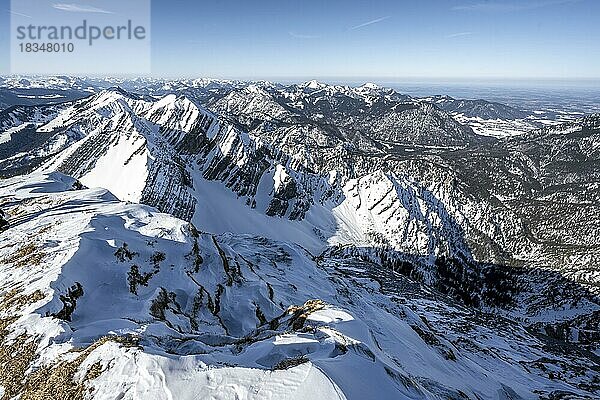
x=384 y=41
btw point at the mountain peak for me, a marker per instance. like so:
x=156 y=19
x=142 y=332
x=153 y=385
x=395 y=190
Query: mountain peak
x=255 y=89
x=314 y=84
x=120 y=91
x=370 y=85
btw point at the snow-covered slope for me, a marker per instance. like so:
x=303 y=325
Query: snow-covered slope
x=303 y=183
x=127 y=144
x=110 y=300
x=420 y=239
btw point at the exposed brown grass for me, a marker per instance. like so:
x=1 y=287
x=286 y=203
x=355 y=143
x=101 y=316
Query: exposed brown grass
x=301 y=313
x=15 y=358
x=4 y=323
x=45 y=229
x=13 y=300
x=290 y=363
x=58 y=381
x=27 y=255
x=51 y=381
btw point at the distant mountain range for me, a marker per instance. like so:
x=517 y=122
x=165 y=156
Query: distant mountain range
x=197 y=238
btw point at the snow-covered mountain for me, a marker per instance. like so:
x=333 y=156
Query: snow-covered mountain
x=249 y=238
x=113 y=300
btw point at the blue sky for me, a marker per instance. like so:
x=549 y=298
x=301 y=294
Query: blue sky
x=384 y=40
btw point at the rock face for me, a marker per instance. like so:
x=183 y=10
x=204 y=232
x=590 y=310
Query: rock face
x=287 y=227
x=3 y=221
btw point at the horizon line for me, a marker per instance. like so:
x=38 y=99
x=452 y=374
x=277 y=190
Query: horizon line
x=306 y=78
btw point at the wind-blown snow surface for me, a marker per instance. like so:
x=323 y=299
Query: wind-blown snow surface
x=237 y=316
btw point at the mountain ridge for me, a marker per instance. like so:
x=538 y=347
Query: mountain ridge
x=265 y=203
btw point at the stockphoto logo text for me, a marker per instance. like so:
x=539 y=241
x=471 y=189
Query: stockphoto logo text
x=112 y=36
x=84 y=32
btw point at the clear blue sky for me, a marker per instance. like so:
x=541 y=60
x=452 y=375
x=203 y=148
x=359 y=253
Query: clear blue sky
x=394 y=39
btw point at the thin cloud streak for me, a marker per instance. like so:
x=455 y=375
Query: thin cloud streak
x=507 y=7
x=375 y=21
x=80 y=8
x=459 y=34
x=19 y=14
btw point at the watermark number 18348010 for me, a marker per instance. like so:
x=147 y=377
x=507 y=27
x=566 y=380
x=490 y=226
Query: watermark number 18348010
x=110 y=36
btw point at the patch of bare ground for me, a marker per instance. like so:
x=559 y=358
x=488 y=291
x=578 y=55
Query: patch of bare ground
x=57 y=381
x=27 y=255
x=290 y=363
x=299 y=314
x=14 y=300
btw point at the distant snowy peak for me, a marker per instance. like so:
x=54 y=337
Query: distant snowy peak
x=210 y=82
x=179 y=116
x=249 y=104
x=313 y=84
x=370 y=85
x=316 y=88
x=367 y=112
